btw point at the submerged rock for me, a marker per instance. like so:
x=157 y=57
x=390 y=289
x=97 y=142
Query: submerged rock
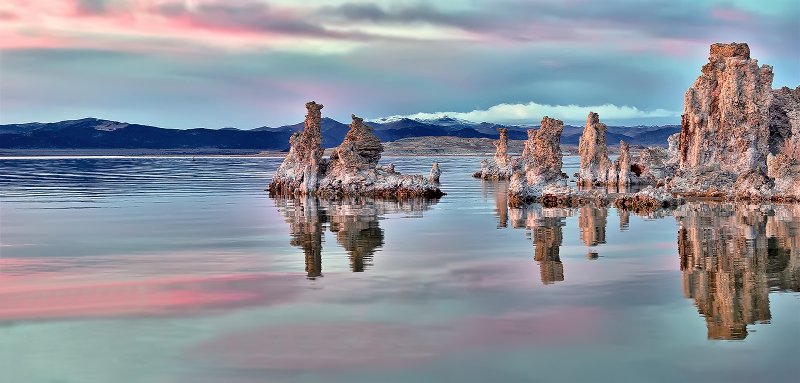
x=352 y=170
x=499 y=167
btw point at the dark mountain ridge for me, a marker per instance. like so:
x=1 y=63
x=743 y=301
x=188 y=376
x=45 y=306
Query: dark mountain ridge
x=93 y=133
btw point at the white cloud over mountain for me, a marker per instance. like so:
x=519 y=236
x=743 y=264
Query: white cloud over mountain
x=533 y=112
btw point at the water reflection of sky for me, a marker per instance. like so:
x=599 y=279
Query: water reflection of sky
x=184 y=270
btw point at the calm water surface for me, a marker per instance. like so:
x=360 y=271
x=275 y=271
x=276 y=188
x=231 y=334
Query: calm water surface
x=184 y=270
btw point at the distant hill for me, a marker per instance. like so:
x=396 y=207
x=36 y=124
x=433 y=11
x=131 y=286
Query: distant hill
x=92 y=133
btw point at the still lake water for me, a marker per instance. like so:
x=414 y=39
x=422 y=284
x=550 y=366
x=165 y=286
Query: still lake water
x=184 y=270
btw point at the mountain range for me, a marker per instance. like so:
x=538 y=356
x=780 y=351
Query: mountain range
x=93 y=133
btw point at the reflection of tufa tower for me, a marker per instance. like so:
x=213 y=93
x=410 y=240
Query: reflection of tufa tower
x=546 y=228
x=729 y=262
x=358 y=232
x=592 y=222
x=306 y=223
x=353 y=219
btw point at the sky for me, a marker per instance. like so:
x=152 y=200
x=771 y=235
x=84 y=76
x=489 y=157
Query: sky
x=251 y=63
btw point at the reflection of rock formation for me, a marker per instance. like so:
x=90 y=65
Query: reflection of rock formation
x=732 y=256
x=592 y=223
x=498 y=191
x=354 y=220
x=624 y=219
x=306 y=224
x=546 y=228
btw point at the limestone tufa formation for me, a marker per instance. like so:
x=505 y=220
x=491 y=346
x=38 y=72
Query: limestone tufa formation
x=542 y=157
x=435 y=173
x=499 y=167
x=352 y=170
x=725 y=127
x=595 y=165
x=300 y=171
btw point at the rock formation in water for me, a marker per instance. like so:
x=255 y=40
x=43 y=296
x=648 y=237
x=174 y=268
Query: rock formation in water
x=783 y=162
x=351 y=171
x=647 y=200
x=301 y=169
x=622 y=165
x=435 y=173
x=656 y=165
x=595 y=165
x=499 y=167
x=542 y=159
x=725 y=128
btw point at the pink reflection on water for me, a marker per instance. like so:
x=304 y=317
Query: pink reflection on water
x=91 y=287
x=343 y=345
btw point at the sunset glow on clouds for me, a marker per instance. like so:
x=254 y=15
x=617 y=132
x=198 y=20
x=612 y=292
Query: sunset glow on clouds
x=247 y=63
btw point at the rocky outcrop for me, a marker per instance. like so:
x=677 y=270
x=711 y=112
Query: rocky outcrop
x=656 y=166
x=596 y=168
x=542 y=159
x=647 y=200
x=725 y=128
x=784 y=124
x=784 y=169
x=351 y=171
x=783 y=162
x=435 y=173
x=499 y=167
x=301 y=169
x=622 y=165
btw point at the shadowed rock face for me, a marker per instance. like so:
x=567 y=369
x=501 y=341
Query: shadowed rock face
x=353 y=168
x=784 y=118
x=595 y=165
x=783 y=162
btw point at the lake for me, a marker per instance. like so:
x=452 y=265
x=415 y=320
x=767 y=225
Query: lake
x=184 y=270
